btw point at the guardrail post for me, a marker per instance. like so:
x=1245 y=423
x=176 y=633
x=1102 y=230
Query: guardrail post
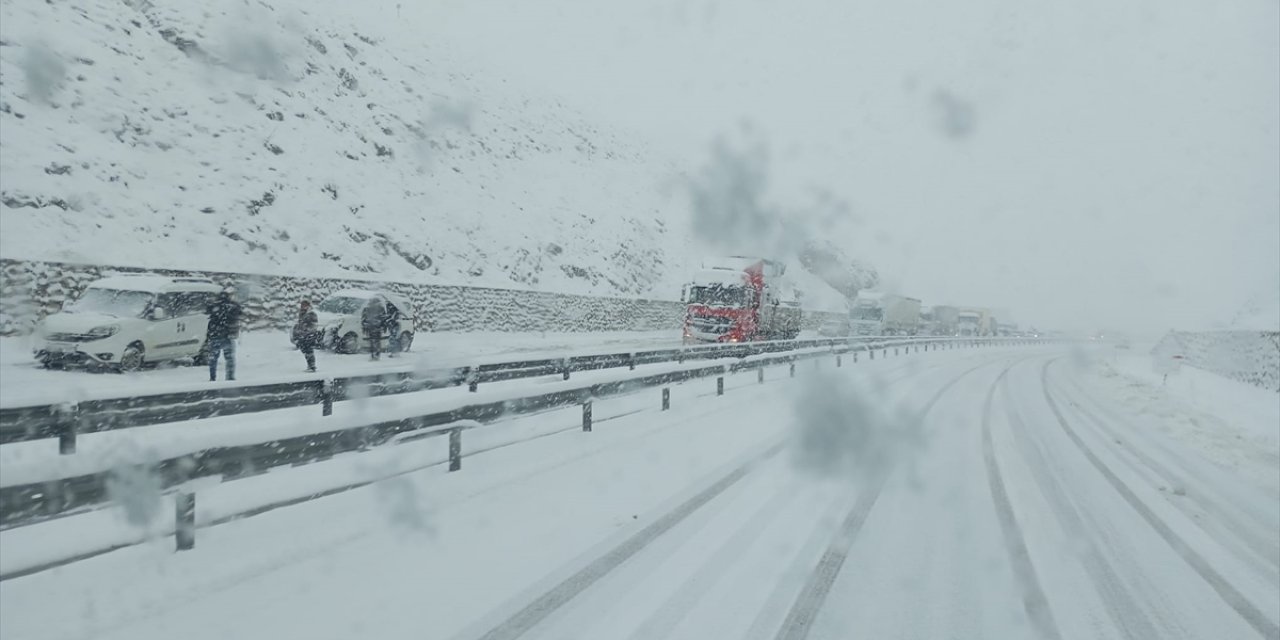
x=666 y=398
x=67 y=424
x=895 y=351
x=631 y=361
x=184 y=520
x=793 y=369
x=455 y=448
x=838 y=362
x=720 y=386
x=855 y=356
x=326 y=397
x=565 y=370
x=872 y=353
x=886 y=352
x=586 y=416
x=473 y=380
x=760 y=375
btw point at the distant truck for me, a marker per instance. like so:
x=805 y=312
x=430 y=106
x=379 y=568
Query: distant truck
x=942 y=321
x=740 y=299
x=975 y=322
x=884 y=314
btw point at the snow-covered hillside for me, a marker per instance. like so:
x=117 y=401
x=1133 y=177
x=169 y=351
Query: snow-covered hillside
x=279 y=138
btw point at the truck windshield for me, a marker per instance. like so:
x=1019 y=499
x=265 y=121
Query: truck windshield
x=867 y=313
x=113 y=302
x=718 y=295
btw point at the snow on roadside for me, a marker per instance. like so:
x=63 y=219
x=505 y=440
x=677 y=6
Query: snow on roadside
x=1232 y=423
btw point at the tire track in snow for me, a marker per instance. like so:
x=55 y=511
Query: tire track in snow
x=531 y=615
x=1225 y=590
x=549 y=602
x=1034 y=600
x=677 y=606
x=1120 y=605
x=804 y=610
x=1177 y=475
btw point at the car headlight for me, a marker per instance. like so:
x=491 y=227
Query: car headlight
x=105 y=331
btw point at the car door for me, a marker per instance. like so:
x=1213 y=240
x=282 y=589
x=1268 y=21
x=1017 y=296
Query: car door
x=162 y=331
x=192 y=323
x=197 y=324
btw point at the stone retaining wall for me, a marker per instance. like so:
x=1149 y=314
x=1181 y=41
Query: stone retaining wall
x=31 y=290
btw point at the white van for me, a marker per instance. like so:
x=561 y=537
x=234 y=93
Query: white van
x=340 y=315
x=123 y=322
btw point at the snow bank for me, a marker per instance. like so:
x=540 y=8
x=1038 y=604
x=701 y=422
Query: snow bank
x=1248 y=356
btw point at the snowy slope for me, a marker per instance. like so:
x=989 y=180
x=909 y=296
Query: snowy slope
x=282 y=139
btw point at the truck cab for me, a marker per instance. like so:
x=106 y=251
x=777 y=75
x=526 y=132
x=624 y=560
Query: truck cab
x=969 y=323
x=739 y=300
x=866 y=316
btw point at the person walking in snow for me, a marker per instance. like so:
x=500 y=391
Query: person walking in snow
x=371 y=319
x=224 y=328
x=307 y=333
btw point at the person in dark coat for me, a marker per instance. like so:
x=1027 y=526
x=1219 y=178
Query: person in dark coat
x=391 y=325
x=371 y=319
x=307 y=333
x=224 y=328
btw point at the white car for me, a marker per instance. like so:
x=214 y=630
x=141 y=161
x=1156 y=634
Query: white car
x=340 y=317
x=123 y=322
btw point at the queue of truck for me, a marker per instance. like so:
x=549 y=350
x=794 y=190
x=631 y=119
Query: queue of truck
x=743 y=299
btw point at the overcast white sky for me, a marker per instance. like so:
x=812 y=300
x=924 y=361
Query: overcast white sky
x=1117 y=164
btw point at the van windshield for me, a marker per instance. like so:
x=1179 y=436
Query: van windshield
x=113 y=302
x=343 y=305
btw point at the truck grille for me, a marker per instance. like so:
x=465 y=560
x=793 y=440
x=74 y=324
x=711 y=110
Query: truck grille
x=710 y=325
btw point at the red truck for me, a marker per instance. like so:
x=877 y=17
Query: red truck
x=740 y=299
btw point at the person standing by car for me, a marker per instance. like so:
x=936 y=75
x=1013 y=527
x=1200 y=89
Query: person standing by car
x=307 y=333
x=224 y=328
x=391 y=325
x=371 y=319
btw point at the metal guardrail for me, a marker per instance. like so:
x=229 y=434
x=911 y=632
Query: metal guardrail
x=66 y=420
x=29 y=503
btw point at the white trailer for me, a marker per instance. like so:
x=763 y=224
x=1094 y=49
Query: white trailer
x=884 y=314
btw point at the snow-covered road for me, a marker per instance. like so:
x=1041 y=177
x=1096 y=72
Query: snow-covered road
x=981 y=493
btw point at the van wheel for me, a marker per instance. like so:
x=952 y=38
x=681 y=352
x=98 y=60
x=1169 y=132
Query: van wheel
x=132 y=358
x=202 y=357
x=406 y=339
x=350 y=343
